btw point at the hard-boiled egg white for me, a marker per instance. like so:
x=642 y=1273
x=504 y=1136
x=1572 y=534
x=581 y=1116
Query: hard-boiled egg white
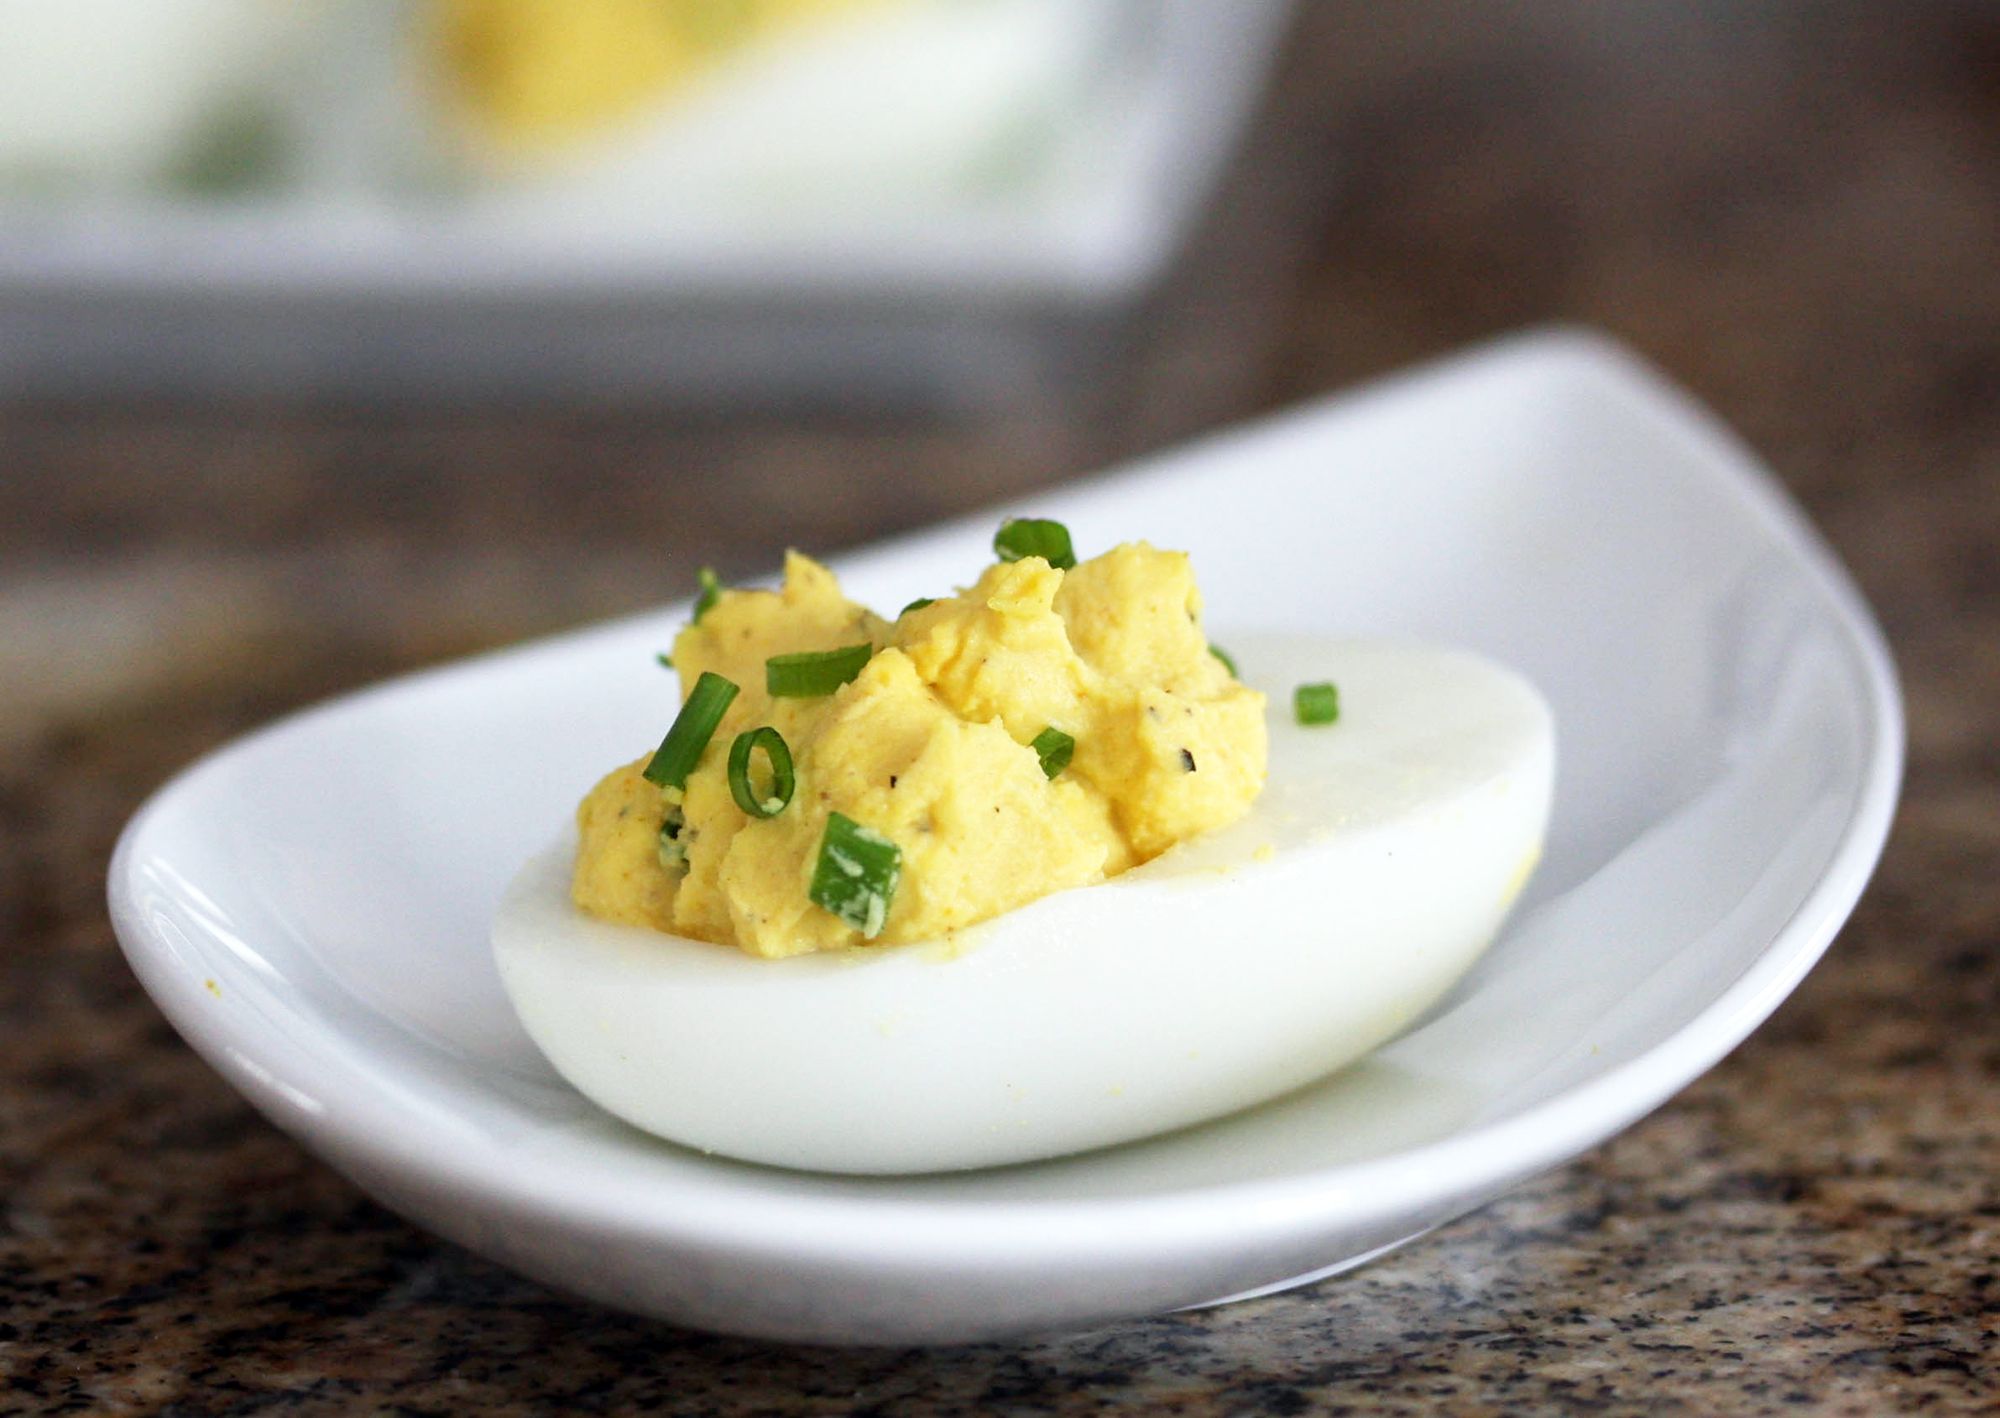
x=1376 y=865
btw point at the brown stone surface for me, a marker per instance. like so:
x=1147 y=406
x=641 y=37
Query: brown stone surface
x=1794 y=208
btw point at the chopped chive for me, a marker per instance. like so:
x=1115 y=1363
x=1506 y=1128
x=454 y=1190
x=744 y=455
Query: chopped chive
x=711 y=591
x=918 y=604
x=674 y=840
x=782 y=779
x=693 y=727
x=811 y=673
x=1227 y=663
x=1054 y=747
x=1316 y=703
x=856 y=874
x=666 y=660
x=1034 y=536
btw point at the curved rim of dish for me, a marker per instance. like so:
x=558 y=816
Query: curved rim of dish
x=362 y=1126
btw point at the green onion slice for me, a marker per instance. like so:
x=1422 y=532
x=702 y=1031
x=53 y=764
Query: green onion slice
x=1034 y=536
x=674 y=839
x=782 y=779
x=1055 y=747
x=711 y=591
x=1227 y=663
x=856 y=875
x=918 y=604
x=811 y=673
x=1316 y=703
x=693 y=727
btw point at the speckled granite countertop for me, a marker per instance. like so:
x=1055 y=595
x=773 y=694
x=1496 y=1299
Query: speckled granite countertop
x=1793 y=208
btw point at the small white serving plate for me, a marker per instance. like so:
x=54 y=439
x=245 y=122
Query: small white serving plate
x=310 y=906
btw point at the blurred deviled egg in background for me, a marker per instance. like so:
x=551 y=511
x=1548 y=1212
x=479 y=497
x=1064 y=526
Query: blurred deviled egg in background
x=660 y=105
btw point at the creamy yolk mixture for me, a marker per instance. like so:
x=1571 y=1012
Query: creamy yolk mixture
x=930 y=746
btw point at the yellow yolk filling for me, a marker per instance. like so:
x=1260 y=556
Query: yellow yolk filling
x=929 y=746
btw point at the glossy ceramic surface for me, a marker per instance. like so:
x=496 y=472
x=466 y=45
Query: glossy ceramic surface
x=310 y=906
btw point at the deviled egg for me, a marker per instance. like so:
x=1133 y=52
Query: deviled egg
x=1129 y=985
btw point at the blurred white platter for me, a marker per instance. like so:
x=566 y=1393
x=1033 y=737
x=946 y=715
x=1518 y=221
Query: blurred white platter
x=310 y=906
x=976 y=296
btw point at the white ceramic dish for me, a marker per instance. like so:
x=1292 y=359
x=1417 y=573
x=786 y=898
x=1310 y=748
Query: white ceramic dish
x=310 y=906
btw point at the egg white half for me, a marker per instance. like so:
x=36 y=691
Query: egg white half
x=1375 y=867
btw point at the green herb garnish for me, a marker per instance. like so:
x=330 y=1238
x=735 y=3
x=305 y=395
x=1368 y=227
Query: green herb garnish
x=693 y=727
x=811 y=673
x=1054 y=747
x=708 y=595
x=674 y=838
x=782 y=780
x=1316 y=703
x=1034 y=536
x=856 y=875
